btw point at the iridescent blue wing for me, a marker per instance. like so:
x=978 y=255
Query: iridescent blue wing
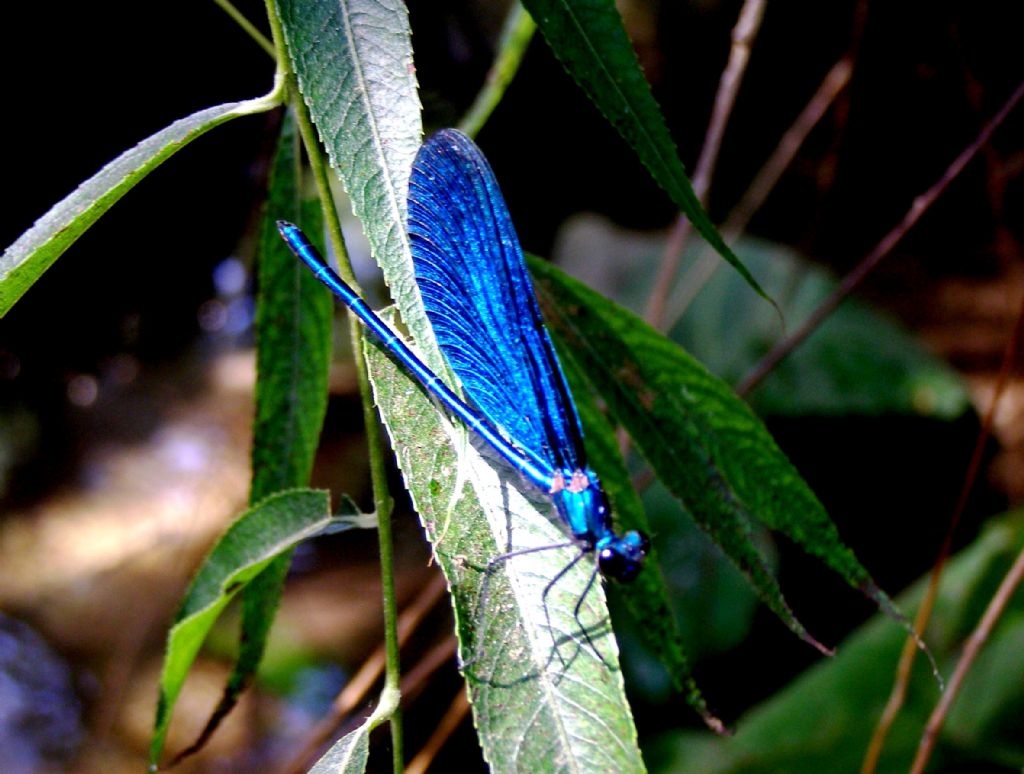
x=481 y=303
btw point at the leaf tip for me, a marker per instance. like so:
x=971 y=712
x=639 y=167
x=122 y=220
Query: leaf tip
x=885 y=604
x=695 y=699
x=820 y=647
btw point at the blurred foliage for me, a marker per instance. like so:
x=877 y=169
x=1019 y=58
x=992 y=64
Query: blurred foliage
x=822 y=721
x=859 y=361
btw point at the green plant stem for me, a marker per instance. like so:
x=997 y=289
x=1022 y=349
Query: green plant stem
x=515 y=38
x=389 y=707
x=280 y=48
x=383 y=505
x=246 y=25
x=381 y=497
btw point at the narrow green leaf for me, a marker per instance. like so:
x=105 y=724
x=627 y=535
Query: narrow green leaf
x=36 y=250
x=647 y=597
x=353 y=60
x=532 y=712
x=294 y=316
x=260 y=600
x=262 y=533
x=349 y=755
x=590 y=41
x=355 y=71
x=705 y=444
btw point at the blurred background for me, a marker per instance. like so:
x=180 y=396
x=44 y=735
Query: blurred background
x=126 y=372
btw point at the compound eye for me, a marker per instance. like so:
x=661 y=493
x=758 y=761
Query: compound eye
x=614 y=563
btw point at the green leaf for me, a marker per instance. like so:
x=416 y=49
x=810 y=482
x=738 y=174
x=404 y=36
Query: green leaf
x=36 y=250
x=349 y=755
x=646 y=598
x=823 y=720
x=354 y=67
x=294 y=317
x=714 y=604
x=702 y=441
x=353 y=60
x=532 y=712
x=262 y=533
x=590 y=41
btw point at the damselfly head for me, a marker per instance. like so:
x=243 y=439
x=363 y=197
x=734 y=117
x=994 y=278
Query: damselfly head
x=622 y=557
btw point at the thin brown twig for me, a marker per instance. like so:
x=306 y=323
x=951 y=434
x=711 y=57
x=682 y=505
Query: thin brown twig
x=754 y=197
x=826 y=98
x=852 y=280
x=766 y=179
x=417 y=678
x=452 y=719
x=355 y=691
x=972 y=648
x=899 y=688
x=909 y=653
x=743 y=35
